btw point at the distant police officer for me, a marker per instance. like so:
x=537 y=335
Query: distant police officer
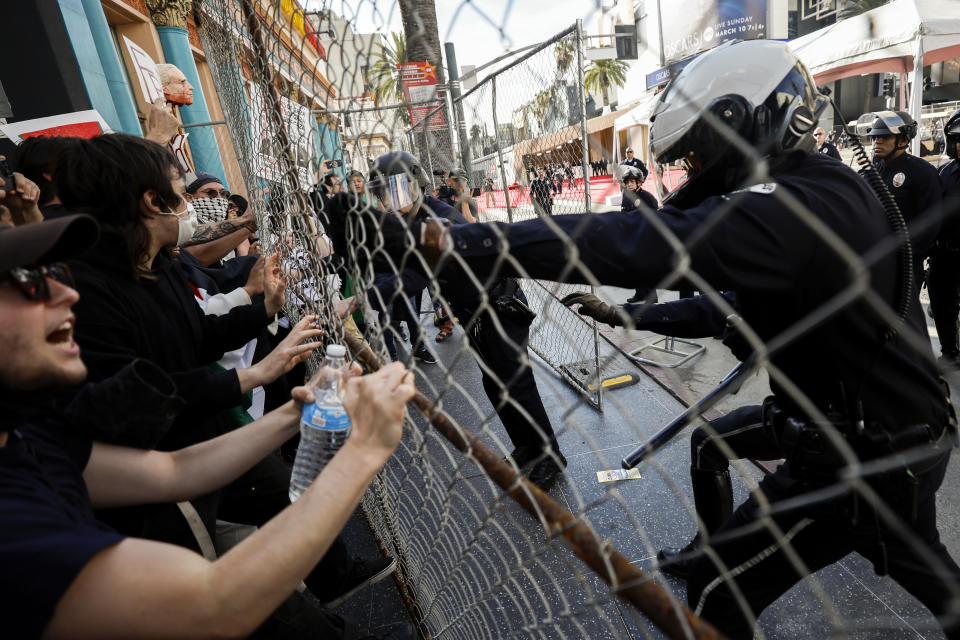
x=943 y=281
x=825 y=146
x=399 y=182
x=541 y=193
x=633 y=198
x=637 y=163
x=913 y=182
x=858 y=389
x=634 y=195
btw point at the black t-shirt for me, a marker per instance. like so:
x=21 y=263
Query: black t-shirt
x=47 y=529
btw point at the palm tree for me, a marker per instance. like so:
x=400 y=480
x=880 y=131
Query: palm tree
x=540 y=106
x=564 y=51
x=423 y=44
x=383 y=75
x=603 y=74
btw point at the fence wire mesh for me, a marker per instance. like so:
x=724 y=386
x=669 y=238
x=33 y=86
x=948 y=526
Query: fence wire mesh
x=482 y=553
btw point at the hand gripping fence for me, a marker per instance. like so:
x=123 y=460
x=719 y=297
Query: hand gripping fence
x=539 y=135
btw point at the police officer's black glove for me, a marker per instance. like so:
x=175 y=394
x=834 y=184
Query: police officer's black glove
x=593 y=307
x=361 y=231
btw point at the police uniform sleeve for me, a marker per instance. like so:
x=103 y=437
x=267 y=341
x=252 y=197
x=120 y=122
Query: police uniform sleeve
x=752 y=243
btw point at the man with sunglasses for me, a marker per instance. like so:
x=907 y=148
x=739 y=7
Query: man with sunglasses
x=218 y=233
x=824 y=146
x=64 y=574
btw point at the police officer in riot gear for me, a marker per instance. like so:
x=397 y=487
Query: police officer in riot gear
x=913 y=182
x=398 y=181
x=850 y=386
x=943 y=280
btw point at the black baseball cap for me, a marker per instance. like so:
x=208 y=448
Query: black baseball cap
x=202 y=179
x=46 y=242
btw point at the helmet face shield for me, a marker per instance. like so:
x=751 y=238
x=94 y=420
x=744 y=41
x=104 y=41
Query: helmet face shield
x=399 y=192
x=886 y=123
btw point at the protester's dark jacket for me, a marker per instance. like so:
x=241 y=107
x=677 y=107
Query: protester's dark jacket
x=121 y=318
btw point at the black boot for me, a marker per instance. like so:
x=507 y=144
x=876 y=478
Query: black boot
x=713 y=499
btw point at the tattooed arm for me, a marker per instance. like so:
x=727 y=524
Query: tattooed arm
x=211 y=242
x=217 y=230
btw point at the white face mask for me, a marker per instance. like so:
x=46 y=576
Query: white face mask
x=186 y=223
x=187 y=226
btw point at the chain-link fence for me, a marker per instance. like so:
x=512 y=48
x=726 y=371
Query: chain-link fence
x=483 y=553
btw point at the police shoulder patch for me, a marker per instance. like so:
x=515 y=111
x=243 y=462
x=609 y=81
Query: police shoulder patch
x=899 y=179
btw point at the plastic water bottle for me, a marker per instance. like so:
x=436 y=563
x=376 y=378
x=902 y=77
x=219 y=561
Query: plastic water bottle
x=324 y=424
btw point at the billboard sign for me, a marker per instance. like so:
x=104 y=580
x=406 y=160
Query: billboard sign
x=419 y=81
x=694 y=26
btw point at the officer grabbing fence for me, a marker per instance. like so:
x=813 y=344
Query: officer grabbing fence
x=827 y=303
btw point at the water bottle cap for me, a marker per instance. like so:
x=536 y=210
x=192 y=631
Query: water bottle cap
x=336 y=350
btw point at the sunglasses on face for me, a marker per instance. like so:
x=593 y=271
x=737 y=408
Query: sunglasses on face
x=213 y=193
x=33 y=284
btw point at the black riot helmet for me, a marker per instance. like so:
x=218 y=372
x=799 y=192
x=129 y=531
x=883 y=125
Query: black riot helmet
x=888 y=123
x=754 y=94
x=630 y=172
x=398 y=180
x=951 y=134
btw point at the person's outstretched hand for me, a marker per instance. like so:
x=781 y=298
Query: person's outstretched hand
x=289 y=353
x=304 y=395
x=162 y=125
x=254 y=284
x=376 y=404
x=274 y=285
x=22 y=201
x=592 y=307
